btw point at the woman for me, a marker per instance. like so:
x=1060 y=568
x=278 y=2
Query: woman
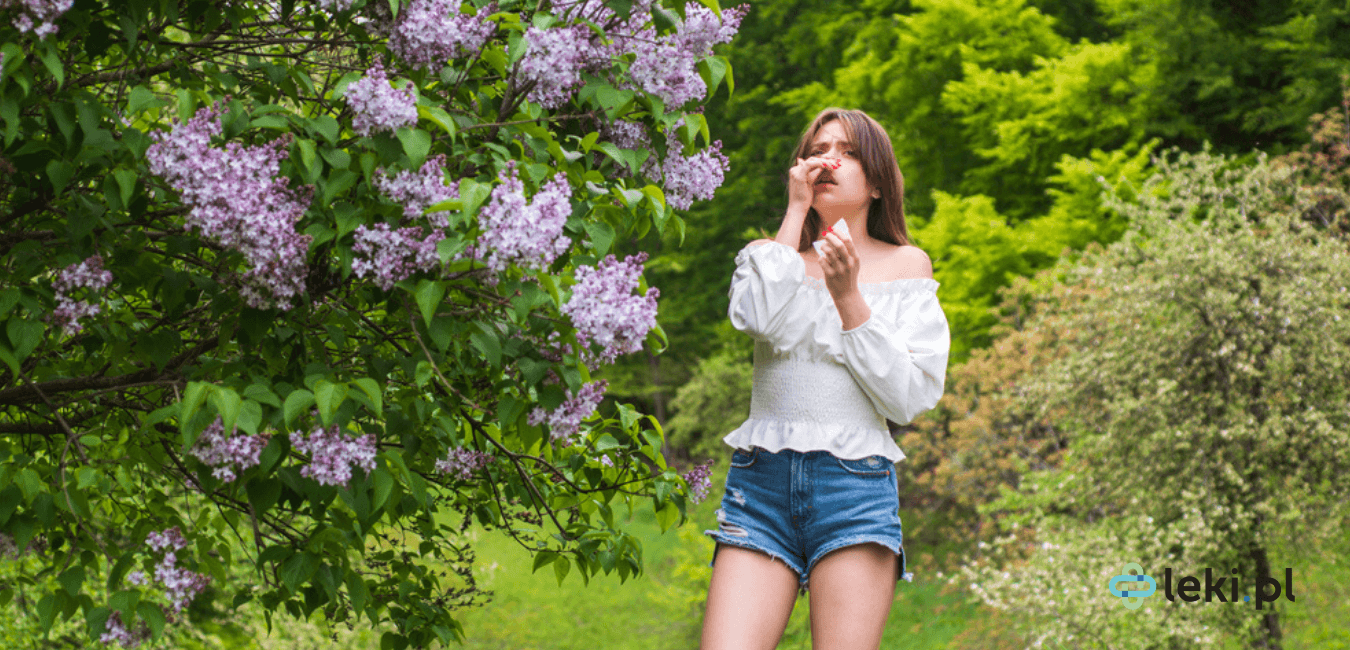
x=848 y=334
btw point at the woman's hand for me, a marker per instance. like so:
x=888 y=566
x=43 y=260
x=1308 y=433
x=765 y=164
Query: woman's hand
x=840 y=263
x=802 y=180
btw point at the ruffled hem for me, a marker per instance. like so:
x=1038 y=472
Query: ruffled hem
x=843 y=441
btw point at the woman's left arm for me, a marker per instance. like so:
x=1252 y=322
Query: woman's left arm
x=899 y=359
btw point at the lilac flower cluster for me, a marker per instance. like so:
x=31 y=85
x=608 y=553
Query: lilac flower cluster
x=418 y=190
x=526 y=234
x=605 y=310
x=666 y=66
x=228 y=455
x=42 y=12
x=564 y=421
x=430 y=32
x=179 y=584
x=115 y=631
x=379 y=106
x=463 y=462
x=236 y=200
x=392 y=255
x=686 y=178
x=554 y=60
x=332 y=454
x=699 y=481
x=336 y=5
x=88 y=274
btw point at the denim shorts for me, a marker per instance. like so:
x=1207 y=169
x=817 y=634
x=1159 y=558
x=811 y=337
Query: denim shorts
x=799 y=506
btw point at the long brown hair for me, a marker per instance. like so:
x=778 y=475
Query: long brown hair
x=886 y=215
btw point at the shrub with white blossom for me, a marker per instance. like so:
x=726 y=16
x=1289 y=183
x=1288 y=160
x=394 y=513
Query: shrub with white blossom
x=284 y=283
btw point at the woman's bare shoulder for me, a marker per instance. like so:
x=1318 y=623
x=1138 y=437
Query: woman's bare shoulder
x=906 y=262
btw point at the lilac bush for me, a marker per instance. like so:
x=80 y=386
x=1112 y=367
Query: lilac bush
x=310 y=282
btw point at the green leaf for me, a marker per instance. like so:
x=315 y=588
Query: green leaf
x=263 y=494
x=46 y=609
x=24 y=336
x=125 y=601
x=382 y=483
x=72 y=579
x=153 y=616
x=429 y=294
x=250 y=416
x=299 y=401
x=485 y=341
x=542 y=558
x=440 y=117
x=602 y=237
x=668 y=516
x=329 y=396
x=193 y=398
x=51 y=59
x=298 y=569
x=262 y=394
x=560 y=568
x=416 y=143
x=372 y=390
x=227 y=404
x=59 y=173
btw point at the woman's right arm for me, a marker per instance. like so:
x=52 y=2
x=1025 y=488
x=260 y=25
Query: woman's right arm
x=768 y=275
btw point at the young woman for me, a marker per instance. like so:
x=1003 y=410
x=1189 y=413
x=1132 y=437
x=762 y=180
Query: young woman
x=848 y=334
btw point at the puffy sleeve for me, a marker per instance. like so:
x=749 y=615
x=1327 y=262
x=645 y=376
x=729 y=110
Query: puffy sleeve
x=767 y=277
x=901 y=361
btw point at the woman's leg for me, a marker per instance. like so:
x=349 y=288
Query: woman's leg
x=851 y=594
x=749 y=601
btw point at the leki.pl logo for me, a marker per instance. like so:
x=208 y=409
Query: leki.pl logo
x=1132 y=597
x=1138 y=586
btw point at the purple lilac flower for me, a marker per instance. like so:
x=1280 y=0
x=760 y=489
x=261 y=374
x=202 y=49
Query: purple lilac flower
x=686 y=178
x=180 y=585
x=699 y=481
x=379 y=106
x=604 y=309
x=42 y=12
x=228 y=455
x=332 y=454
x=526 y=234
x=666 y=66
x=88 y=274
x=463 y=462
x=136 y=578
x=418 y=190
x=554 y=60
x=171 y=538
x=430 y=32
x=236 y=200
x=392 y=255
x=115 y=631
x=564 y=421
x=336 y=5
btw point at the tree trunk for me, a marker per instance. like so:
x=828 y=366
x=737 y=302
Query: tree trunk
x=1268 y=636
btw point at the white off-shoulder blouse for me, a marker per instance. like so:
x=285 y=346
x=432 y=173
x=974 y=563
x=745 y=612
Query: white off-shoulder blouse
x=818 y=387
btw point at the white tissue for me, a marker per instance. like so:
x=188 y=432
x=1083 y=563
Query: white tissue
x=838 y=227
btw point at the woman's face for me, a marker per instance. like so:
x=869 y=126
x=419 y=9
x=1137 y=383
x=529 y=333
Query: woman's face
x=847 y=186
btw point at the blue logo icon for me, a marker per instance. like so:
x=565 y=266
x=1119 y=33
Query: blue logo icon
x=1132 y=597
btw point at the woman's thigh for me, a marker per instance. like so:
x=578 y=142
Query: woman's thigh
x=749 y=601
x=852 y=589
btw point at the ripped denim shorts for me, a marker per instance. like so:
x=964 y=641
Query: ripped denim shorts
x=799 y=506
